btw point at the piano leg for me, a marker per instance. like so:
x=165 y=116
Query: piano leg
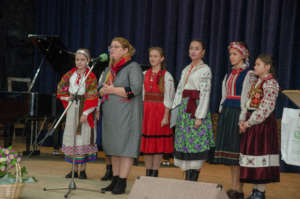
x=8 y=131
x=31 y=141
x=28 y=135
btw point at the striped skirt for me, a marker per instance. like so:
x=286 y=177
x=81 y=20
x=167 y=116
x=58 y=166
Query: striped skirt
x=227 y=150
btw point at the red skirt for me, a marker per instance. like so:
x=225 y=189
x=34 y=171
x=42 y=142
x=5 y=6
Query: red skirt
x=259 y=158
x=155 y=139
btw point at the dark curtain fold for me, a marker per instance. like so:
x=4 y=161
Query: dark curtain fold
x=267 y=26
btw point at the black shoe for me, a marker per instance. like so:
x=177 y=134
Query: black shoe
x=149 y=172
x=110 y=187
x=232 y=194
x=259 y=195
x=120 y=187
x=136 y=162
x=154 y=173
x=192 y=175
x=240 y=195
x=69 y=175
x=82 y=175
x=252 y=194
x=108 y=174
x=195 y=175
x=188 y=174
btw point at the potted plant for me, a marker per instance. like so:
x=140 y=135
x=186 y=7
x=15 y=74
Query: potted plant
x=12 y=176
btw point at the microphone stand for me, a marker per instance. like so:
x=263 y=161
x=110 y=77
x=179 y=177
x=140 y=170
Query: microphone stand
x=72 y=186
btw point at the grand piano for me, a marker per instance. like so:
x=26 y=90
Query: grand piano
x=32 y=106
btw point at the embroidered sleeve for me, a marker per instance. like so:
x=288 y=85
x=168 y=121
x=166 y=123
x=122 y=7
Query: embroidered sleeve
x=63 y=88
x=224 y=93
x=244 y=95
x=88 y=111
x=204 y=88
x=169 y=90
x=135 y=82
x=91 y=98
x=179 y=90
x=267 y=105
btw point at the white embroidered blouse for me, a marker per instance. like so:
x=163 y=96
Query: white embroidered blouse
x=74 y=86
x=199 y=79
x=267 y=105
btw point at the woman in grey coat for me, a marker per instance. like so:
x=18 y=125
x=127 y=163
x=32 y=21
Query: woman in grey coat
x=121 y=93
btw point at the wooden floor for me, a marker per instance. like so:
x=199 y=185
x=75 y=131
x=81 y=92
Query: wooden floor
x=50 y=171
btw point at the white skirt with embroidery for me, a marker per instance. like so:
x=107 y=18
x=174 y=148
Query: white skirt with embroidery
x=83 y=144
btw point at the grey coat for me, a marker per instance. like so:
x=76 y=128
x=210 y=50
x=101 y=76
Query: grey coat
x=122 y=117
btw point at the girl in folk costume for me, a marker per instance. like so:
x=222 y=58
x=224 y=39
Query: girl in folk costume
x=259 y=159
x=122 y=112
x=157 y=138
x=79 y=120
x=235 y=88
x=193 y=132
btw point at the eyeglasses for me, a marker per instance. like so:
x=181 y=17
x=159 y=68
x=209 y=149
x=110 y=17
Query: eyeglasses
x=116 y=47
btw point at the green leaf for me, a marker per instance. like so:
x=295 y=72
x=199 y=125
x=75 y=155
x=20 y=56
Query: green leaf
x=13 y=162
x=23 y=171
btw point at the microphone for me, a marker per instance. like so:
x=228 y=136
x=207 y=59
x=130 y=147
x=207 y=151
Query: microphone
x=101 y=58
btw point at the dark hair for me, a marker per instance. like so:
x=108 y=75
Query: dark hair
x=199 y=41
x=268 y=59
x=163 y=66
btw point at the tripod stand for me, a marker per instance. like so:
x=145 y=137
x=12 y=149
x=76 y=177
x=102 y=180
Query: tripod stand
x=72 y=186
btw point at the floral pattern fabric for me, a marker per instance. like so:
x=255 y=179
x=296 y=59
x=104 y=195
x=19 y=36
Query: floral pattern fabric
x=187 y=138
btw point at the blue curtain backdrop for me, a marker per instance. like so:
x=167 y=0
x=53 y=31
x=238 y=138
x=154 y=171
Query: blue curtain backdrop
x=267 y=26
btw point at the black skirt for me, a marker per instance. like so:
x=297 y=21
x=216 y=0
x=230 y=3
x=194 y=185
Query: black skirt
x=227 y=150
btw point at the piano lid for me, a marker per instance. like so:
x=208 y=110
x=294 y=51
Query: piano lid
x=55 y=51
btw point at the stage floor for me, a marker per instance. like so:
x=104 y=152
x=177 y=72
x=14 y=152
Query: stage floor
x=50 y=171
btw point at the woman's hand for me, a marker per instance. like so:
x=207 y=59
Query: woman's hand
x=164 y=121
x=243 y=126
x=97 y=114
x=198 y=122
x=83 y=118
x=107 y=89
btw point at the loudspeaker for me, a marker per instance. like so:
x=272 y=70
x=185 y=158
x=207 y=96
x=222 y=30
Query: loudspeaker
x=166 y=188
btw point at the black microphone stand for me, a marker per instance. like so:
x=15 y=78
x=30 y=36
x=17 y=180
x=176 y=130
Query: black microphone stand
x=72 y=186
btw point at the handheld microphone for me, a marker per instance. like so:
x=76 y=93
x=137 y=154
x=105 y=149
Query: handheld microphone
x=101 y=58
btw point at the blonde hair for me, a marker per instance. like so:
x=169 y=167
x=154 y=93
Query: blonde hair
x=85 y=52
x=125 y=44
